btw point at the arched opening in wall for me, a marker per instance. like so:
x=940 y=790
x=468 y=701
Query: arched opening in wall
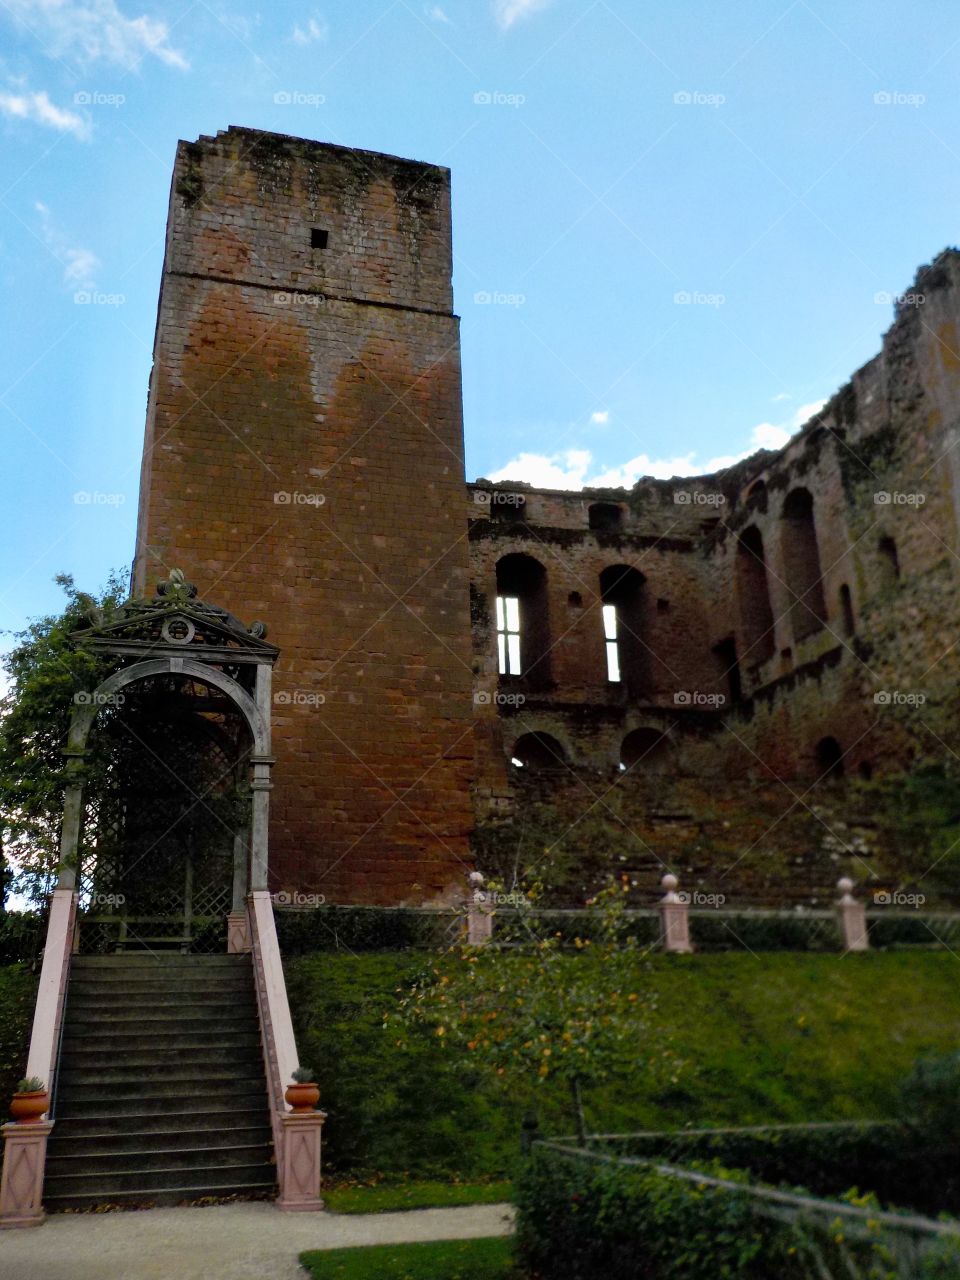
x=829 y=759
x=753 y=597
x=801 y=563
x=605 y=517
x=623 y=596
x=523 y=628
x=757 y=497
x=865 y=770
x=846 y=610
x=646 y=750
x=538 y=751
x=889 y=562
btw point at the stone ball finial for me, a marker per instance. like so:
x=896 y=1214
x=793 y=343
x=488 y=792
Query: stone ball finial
x=845 y=885
x=476 y=877
x=670 y=882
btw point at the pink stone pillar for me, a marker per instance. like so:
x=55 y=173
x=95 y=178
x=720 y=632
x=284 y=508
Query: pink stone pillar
x=300 y=1175
x=674 y=918
x=25 y=1153
x=479 y=913
x=853 y=918
x=238 y=933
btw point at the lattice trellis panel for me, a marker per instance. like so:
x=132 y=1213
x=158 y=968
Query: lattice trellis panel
x=158 y=846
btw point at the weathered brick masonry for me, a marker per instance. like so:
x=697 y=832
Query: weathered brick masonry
x=303 y=463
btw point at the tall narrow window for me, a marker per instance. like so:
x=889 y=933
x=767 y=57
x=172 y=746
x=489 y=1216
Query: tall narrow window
x=801 y=563
x=610 y=637
x=753 y=597
x=523 y=630
x=625 y=625
x=508 y=635
x=846 y=609
x=889 y=562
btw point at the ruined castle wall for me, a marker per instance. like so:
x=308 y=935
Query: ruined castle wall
x=858 y=516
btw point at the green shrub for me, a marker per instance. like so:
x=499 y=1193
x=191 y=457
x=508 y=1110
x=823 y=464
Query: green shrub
x=578 y=1220
x=21 y=936
x=17 y=993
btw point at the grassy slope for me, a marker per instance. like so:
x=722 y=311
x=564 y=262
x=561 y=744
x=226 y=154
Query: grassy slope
x=782 y=1036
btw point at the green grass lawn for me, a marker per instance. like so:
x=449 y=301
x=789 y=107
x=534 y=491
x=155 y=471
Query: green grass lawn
x=776 y=1037
x=388 y=1198
x=438 y=1260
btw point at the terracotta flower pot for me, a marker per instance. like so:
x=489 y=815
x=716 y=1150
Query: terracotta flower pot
x=27 y=1108
x=302 y=1097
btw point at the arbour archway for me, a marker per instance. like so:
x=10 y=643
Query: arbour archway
x=165 y=812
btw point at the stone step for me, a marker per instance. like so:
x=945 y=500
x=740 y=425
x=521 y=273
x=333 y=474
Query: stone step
x=167 y=1003
x=162 y=1055
x=148 y=985
x=147 y=1160
x=131 y=1039
x=100 y=1188
x=163 y=1023
x=205 y=1177
x=156 y=1199
x=165 y=1085
x=108 y=1125
x=99 y=1142
x=138 y=1102
x=142 y=959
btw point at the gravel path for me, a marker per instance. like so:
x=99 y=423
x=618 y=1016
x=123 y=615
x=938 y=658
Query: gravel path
x=252 y=1241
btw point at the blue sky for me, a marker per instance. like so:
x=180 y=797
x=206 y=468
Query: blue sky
x=677 y=226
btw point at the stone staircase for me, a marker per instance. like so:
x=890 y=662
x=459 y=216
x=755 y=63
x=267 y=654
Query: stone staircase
x=162 y=1095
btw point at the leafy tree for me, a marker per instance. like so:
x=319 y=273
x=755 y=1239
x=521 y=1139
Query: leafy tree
x=530 y=1011
x=45 y=670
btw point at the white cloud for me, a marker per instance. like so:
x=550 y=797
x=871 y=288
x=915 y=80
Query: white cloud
x=95 y=31
x=508 y=12
x=806 y=412
x=434 y=12
x=79 y=264
x=600 y=416
x=767 y=435
x=313 y=31
x=38 y=108
x=575 y=468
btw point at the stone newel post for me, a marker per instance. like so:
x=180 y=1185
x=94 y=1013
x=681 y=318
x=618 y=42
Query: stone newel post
x=853 y=918
x=25 y=1151
x=674 y=917
x=479 y=913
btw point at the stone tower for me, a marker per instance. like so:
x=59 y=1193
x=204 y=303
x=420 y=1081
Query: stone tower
x=303 y=463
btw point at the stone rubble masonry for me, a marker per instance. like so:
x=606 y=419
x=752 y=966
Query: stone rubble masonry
x=303 y=463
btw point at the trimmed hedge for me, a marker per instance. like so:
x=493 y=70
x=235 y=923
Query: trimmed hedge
x=895 y=1162
x=577 y=1220
x=357 y=929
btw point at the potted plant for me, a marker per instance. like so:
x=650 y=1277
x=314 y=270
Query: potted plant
x=303 y=1095
x=30 y=1102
